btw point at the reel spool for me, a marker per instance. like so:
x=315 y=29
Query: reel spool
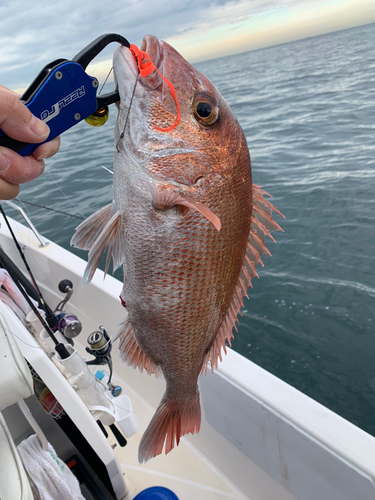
x=69 y=325
x=100 y=345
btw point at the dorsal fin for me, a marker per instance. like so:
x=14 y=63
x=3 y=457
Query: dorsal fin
x=261 y=225
x=99 y=231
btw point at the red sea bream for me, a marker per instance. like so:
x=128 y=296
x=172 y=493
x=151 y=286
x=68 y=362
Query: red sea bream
x=186 y=223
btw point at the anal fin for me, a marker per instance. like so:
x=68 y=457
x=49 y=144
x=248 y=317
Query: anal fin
x=131 y=352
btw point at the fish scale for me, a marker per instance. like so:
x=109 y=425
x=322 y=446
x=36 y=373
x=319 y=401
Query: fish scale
x=189 y=247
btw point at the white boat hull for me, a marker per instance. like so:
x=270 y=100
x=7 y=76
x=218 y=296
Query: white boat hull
x=260 y=438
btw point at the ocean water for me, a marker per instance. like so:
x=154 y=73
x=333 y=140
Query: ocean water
x=307 y=110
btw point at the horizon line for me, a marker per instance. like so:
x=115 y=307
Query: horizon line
x=284 y=43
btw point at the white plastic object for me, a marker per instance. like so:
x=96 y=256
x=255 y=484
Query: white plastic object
x=124 y=415
x=48 y=343
x=67 y=397
x=34 y=323
x=90 y=389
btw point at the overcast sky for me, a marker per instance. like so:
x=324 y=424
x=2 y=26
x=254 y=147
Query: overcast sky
x=34 y=32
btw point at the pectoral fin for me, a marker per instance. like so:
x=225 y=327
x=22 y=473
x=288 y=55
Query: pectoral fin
x=166 y=198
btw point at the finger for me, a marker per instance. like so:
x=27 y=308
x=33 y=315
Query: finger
x=18 y=122
x=17 y=169
x=47 y=149
x=8 y=191
x=4 y=89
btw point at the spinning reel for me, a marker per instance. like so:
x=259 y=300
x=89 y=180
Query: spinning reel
x=67 y=323
x=100 y=345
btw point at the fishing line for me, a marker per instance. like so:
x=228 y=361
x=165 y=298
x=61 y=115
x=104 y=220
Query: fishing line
x=105 y=168
x=57 y=184
x=68 y=199
x=105 y=81
x=51 y=209
x=127 y=116
x=21 y=340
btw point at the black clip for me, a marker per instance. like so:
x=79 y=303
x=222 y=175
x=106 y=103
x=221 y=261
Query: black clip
x=86 y=55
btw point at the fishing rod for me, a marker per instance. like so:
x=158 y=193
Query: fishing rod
x=59 y=347
x=100 y=344
x=67 y=323
x=43 y=303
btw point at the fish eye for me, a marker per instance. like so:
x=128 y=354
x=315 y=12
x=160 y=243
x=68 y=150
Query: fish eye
x=205 y=110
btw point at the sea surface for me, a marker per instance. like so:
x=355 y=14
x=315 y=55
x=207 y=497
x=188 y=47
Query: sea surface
x=307 y=110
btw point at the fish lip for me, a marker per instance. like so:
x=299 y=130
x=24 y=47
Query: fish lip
x=129 y=59
x=124 y=55
x=125 y=72
x=154 y=49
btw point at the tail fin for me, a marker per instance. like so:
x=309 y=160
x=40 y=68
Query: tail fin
x=171 y=421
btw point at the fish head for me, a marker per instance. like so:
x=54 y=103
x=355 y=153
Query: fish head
x=207 y=140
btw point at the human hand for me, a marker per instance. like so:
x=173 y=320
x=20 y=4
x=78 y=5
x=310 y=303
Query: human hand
x=18 y=122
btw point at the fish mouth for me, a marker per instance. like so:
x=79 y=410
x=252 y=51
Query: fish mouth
x=130 y=71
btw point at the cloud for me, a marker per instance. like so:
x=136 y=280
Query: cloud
x=33 y=33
